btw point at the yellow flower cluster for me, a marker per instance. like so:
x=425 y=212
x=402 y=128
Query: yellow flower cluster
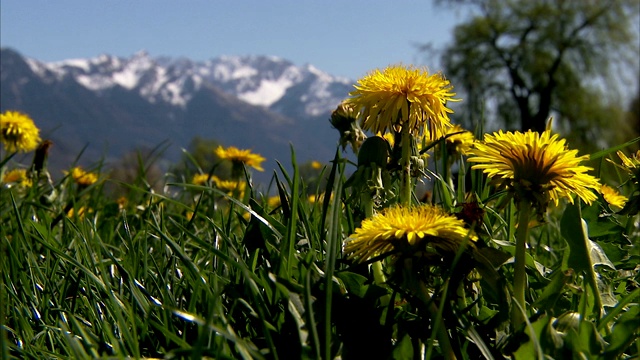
x=18 y=132
x=17 y=176
x=228 y=186
x=83 y=178
x=200 y=179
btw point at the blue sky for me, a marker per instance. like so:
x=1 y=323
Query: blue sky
x=344 y=38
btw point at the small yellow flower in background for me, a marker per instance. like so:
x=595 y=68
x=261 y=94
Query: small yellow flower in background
x=273 y=201
x=313 y=198
x=534 y=167
x=80 y=214
x=461 y=142
x=612 y=196
x=200 y=179
x=18 y=132
x=630 y=164
x=402 y=229
x=239 y=156
x=317 y=165
x=17 y=176
x=402 y=96
x=83 y=178
x=122 y=202
x=229 y=186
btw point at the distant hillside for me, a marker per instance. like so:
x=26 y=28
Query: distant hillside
x=114 y=105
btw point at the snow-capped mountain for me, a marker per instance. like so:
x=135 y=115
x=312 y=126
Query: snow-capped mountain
x=258 y=80
x=107 y=106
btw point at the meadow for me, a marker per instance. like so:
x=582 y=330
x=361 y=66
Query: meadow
x=437 y=243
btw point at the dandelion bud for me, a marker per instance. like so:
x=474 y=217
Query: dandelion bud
x=344 y=120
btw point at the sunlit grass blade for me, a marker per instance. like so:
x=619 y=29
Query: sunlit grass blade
x=333 y=249
x=613 y=149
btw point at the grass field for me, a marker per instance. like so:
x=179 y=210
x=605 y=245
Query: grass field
x=204 y=269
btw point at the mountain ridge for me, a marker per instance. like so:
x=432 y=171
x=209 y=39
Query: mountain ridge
x=256 y=79
x=117 y=104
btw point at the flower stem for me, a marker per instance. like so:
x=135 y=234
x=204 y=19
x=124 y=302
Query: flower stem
x=405 y=162
x=439 y=328
x=520 y=275
x=366 y=198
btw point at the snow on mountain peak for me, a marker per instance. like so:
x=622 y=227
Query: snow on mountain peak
x=82 y=64
x=258 y=80
x=267 y=93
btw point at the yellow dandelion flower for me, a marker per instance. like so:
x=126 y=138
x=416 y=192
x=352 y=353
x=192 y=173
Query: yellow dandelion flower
x=229 y=186
x=18 y=132
x=240 y=156
x=630 y=164
x=460 y=142
x=316 y=165
x=200 y=179
x=400 y=229
x=83 y=178
x=612 y=196
x=402 y=96
x=17 y=176
x=273 y=201
x=534 y=167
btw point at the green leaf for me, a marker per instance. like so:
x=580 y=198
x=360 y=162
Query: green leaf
x=572 y=230
x=631 y=207
x=622 y=305
x=624 y=332
x=354 y=283
x=602 y=226
x=510 y=248
x=531 y=349
x=553 y=290
x=585 y=342
x=616 y=253
x=403 y=349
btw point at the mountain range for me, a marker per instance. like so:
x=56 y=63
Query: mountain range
x=105 y=107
